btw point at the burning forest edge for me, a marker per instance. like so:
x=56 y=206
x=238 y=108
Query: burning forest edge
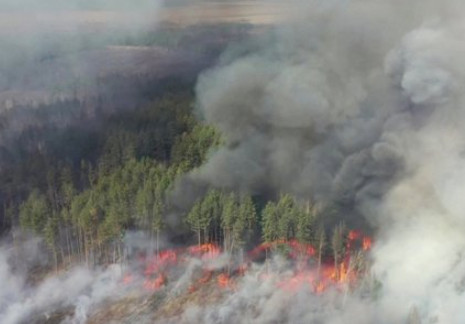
x=307 y=264
x=307 y=171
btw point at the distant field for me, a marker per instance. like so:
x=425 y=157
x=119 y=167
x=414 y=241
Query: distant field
x=253 y=12
x=46 y=56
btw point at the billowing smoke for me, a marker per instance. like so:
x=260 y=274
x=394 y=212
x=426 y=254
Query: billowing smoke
x=310 y=112
x=358 y=103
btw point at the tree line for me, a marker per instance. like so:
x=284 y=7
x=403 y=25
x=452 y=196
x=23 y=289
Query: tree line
x=82 y=210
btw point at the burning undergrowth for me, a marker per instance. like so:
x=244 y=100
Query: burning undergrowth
x=201 y=283
x=205 y=263
x=176 y=285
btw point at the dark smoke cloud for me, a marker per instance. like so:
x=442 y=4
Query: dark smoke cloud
x=358 y=103
x=313 y=111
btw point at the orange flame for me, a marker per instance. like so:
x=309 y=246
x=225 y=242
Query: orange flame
x=366 y=244
x=303 y=256
x=224 y=281
x=155 y=284
x=205 y=251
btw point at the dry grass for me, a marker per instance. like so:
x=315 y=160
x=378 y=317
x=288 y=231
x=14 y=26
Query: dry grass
x=159 y=306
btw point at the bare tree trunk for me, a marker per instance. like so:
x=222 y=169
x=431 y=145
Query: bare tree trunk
x=152 y=248
x=157 y=246
x=266 y=260
x=63 y=254
x=55 y=258
x=86 y=249
x=92 y=251
x=69 y=247
x=336 y=266
x=318 y=271
x=80 y=243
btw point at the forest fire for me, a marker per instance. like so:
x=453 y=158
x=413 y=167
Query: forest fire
x=156 y=283
x=366 y=244
x=309 y=268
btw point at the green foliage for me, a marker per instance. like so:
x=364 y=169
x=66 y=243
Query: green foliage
x=232 y=215
x=305 y=226
x=270 y=222
x=192 y=148
x=34 y=212
x=285 y=220
x=88 y=206
x=82 y=205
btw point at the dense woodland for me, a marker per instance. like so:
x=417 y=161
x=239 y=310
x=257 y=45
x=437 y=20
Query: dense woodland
x=85 y=179
x=83 y=207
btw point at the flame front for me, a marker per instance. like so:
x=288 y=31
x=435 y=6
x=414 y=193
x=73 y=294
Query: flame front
x=309 y=270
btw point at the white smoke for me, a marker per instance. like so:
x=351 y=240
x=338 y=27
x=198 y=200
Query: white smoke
x=79 y=289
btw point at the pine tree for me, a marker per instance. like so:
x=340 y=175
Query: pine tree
x=228 y=218
x=157 y=217
x=212 y=206
x=270 y=221
x=287 y=214
x=198 y=220
x=305 y=223
x=34 y=212
x=246 y=220
x=320 y=242
x=338 y=246
x=50 y=234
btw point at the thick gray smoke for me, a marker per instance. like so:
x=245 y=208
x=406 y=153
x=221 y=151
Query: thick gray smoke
x=361 y=103
x=308 y=112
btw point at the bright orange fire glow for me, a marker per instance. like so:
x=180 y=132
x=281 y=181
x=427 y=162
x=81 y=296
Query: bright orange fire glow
x=205 y=251
x=366 y=244
x=156 y=283
x=309 y=271
x=224 y=281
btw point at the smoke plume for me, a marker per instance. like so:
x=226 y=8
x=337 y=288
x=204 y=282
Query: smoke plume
x=358 y=103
